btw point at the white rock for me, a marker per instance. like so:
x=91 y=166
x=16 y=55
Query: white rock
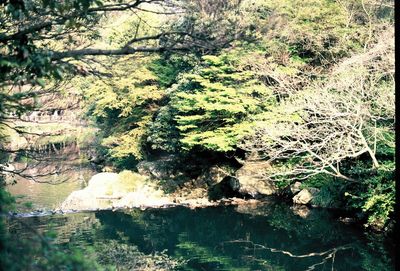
x=95 y=196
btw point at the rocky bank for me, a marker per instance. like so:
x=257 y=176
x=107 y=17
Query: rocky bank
x=213 y=186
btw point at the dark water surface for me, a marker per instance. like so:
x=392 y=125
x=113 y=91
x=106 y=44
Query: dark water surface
x=271 y=236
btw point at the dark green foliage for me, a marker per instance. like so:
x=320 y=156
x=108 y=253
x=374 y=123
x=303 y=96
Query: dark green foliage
x=127 y=162
x=168 y=67
x=212 y=106
x=375 y=195
x=163 y=134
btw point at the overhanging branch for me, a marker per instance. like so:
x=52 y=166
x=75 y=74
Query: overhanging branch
x=60 y=19
x=113 y=52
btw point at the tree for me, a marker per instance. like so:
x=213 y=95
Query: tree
x=329 y=123
x=123 y=105
x=44 y=43
x=29 y=29
x=212 y=106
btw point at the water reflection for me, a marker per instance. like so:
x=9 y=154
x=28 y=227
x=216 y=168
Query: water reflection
x=45 y=179
x=270 y=237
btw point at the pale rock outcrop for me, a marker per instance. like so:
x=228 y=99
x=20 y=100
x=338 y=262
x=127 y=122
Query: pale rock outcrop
x=95 y=196
x=111 y=190
x=146 y=196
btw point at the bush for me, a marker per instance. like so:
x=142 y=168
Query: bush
x=375 y=195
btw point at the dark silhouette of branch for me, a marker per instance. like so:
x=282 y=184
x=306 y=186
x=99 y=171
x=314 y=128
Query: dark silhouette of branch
x=114 y=52
x=63 y=18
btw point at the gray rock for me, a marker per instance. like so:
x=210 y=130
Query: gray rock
x=305 y=196
x=252 y=181
x=295 y=188
x=160 y=169
x=234 y=183
x=212 y=176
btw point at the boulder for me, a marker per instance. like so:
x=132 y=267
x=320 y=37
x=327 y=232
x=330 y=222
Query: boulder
x=305 y=196
x=295 y=188
x=228 y=187
x=290 y=190
x=162 y=168
x=84 y=200
x=101 y=183
x=95 y=196
x=212 y=176
x=234 y=183
x=252 y=181
x=111 y=190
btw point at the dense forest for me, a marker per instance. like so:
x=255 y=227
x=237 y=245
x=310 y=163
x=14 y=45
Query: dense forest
x=273 y=96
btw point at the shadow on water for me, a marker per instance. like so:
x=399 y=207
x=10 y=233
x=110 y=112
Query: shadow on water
x=264 y=237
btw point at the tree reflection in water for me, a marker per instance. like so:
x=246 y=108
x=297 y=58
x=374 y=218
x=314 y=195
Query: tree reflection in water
x=266 y=237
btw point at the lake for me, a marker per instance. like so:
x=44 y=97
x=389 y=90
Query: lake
x=268 y=236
